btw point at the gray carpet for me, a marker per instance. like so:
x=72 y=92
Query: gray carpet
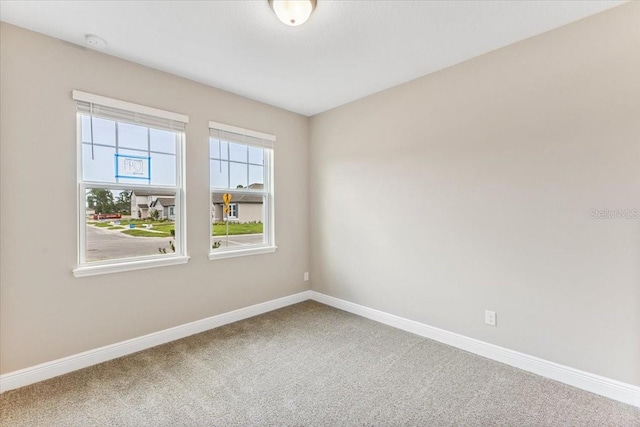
x=307 y=365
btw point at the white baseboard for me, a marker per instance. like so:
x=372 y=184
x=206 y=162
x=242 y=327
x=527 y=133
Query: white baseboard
x=44 y=371
x=612 y=389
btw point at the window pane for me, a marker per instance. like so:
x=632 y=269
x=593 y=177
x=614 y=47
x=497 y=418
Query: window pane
x=256 y=176
x=136 y=174
x=256 y=155
x=102 y=167
x=122 y=224
x=137 y=153
x=163 y=169
x=162 y=140
x=132 y=181
x=218 y=149
x=242 y=225
x=219 y=174
x=238 y=152
x=104 y=131
x=238 y=175
x=132 y=136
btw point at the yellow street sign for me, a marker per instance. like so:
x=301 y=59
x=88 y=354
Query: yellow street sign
x=227 y=210
x=226 y=198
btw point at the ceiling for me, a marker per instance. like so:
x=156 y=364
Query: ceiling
x=347 y=49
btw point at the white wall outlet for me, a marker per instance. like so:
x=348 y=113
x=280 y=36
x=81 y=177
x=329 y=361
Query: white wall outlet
x=490 y=317
x=306 y=276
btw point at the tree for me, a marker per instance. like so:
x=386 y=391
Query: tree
x=123 y=203
x=101 y=201
x=154 y=214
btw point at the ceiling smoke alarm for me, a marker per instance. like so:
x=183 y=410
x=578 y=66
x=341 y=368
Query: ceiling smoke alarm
x=95 y=42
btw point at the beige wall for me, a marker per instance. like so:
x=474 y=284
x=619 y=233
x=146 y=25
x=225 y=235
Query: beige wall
x=45 y=312
x=496 y=163
x=248 y=212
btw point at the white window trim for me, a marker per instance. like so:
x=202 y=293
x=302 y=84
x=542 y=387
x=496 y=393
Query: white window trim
x=269 y=214
x=241 y=131
x=232 y=253
x=138 y=263
x=129 y=106
x=233 y=207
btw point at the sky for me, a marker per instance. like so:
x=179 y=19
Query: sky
x=231 y=164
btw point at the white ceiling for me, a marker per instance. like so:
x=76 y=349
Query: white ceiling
x=347 y=49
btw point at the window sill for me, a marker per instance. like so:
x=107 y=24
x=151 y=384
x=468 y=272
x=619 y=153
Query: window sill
x=241 y=252
x=94 y=270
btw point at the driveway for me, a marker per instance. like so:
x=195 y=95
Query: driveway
x=112 y=244
x=239 y=240
x=105 y=244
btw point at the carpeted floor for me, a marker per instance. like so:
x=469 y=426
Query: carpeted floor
x=307 y=365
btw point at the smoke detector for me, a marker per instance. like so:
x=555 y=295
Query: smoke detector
x=95 y=42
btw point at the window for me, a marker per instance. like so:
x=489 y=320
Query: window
x=131 y=205
x=233 y=211
x=240 y=178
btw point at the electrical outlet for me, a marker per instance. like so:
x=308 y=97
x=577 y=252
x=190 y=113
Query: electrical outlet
x=490 y=317
x=306 y=276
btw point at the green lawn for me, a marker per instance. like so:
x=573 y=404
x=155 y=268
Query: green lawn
x=138 y=232
x=220 y=229
x=142 y=222
x=159 y=228
x=102 y=224
x=164 y=228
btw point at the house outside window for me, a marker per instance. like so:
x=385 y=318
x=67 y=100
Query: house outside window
x=233 y=211
x=241 y=182
x=131 y=205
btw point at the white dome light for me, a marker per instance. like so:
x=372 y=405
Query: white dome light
x=293 y=12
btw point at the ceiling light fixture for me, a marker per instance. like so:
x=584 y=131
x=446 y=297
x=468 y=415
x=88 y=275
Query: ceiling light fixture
x=293 y=12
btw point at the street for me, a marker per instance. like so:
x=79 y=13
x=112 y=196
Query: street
x=103 y=244
x=239 y=240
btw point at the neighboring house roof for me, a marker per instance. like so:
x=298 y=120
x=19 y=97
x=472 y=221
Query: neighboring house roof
x=163 y=201
x=237 y=198
x=147 y=193
x=241 y=198
x=143 y=206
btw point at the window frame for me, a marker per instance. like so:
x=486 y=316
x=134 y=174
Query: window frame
x=269 y=243
x=233 y=211
x=84 y=268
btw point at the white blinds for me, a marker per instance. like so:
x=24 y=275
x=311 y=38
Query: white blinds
x=113 y=109
x=228 y=133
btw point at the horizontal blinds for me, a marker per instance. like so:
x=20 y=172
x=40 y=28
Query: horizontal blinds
x=112 y=109
x=252 y=138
